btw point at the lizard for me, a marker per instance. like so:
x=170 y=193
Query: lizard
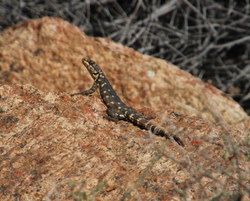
x=116 y=109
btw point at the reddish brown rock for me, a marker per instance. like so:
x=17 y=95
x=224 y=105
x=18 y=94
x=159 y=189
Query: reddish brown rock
x=50 y=143
x=47 y=53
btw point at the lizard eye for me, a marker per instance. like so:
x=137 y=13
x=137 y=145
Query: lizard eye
x=96 y=73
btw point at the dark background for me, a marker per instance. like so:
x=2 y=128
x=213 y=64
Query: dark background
x=209 y=39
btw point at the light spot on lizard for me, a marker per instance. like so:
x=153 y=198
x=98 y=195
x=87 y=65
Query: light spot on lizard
x=138 y=120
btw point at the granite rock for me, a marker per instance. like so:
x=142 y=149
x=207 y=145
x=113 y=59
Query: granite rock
x=54 y=147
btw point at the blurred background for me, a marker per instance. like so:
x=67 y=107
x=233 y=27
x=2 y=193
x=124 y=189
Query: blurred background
x=209 y=39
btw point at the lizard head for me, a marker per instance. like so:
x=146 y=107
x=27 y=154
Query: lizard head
x=94 y=70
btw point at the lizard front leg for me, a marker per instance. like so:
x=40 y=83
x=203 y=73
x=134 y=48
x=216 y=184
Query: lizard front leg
x=87 y=92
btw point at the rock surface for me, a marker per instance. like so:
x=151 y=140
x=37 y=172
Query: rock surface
x=47 y=53
x=56 y=147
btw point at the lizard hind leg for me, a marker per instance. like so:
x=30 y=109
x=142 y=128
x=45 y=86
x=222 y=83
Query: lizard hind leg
x=114 y=115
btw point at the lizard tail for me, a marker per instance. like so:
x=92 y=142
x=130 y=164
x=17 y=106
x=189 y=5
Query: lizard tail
x=160 y=132
x=144 y=124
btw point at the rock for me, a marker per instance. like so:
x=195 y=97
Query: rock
x=53 y=146
x=47 y=53
x=51 y=142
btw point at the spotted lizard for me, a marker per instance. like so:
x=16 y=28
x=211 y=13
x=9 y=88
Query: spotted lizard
x=117 y=110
